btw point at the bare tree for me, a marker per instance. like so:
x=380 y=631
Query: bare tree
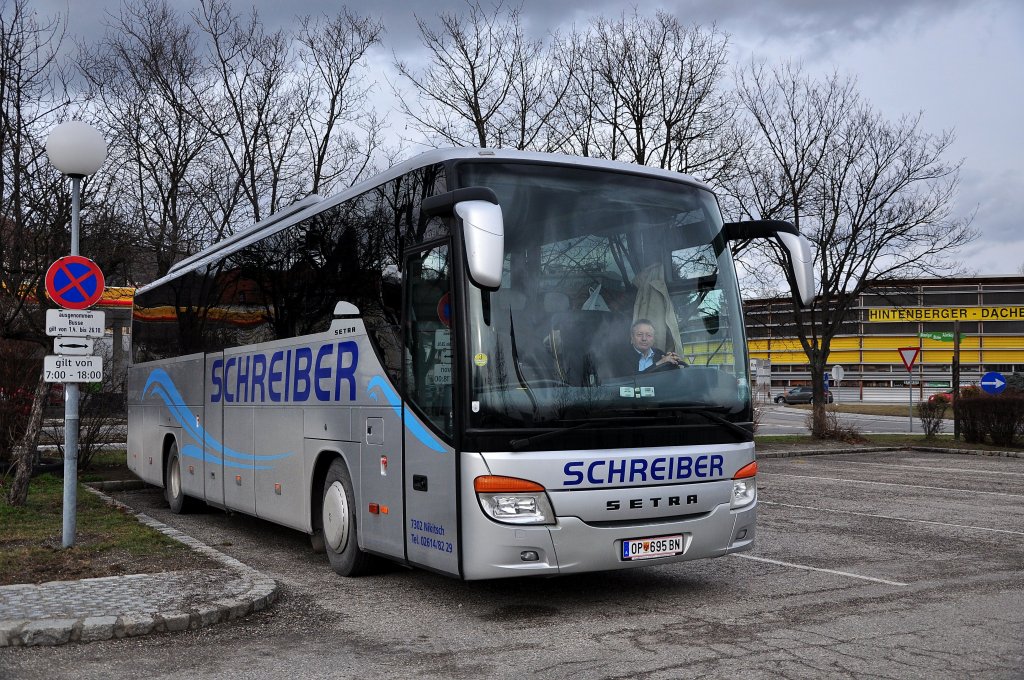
x=874 y=196
x=486 y=83
x=252 y=106
x=333 y=55
x=33 y=200
x=648 y=91
x=143 y=76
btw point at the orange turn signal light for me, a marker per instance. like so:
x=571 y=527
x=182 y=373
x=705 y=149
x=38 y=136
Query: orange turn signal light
x=498 y=484
x=748 y=470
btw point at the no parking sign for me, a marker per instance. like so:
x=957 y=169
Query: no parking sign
x=74 y=282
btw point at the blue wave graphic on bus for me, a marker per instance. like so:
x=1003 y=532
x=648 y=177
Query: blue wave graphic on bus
x=412 y=425
x=160 y=384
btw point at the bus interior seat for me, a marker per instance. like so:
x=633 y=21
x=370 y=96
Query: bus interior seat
x=556 y=302
x=505 y=299
x=584 y=341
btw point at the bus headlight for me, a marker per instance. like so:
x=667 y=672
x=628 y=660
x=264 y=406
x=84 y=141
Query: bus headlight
x=744 y=486
x=513 y=501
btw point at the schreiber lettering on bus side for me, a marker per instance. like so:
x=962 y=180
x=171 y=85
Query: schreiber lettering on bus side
x=323 y=373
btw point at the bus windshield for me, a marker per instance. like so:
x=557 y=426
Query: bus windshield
x=618 y=298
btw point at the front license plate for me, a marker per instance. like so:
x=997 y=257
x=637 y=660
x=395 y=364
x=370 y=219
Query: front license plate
x=646 y=548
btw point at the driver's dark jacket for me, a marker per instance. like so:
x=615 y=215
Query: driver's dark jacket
x=626 y=360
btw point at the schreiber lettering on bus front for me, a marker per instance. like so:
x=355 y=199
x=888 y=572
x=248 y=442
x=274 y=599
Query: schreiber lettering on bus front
x=884 y=314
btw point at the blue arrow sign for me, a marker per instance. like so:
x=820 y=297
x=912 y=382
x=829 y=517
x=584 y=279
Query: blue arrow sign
x=993 y=382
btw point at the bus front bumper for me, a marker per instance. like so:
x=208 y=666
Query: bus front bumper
x=574 y=546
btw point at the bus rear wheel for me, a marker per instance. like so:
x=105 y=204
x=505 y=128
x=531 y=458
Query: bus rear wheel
x=338 y=524
x=173 y=491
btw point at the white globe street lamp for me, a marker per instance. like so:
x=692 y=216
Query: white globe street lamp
x=76 y=149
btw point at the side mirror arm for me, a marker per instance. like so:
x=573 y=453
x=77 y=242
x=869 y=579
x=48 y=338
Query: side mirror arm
x=800 y=260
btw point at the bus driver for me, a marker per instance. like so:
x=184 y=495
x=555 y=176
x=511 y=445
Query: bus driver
x=642 y=356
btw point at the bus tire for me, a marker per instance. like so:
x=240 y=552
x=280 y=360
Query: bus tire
x=338 y=524
x=173 y=491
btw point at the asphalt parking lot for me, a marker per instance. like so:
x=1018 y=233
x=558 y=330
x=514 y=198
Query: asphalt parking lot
x=891 y=565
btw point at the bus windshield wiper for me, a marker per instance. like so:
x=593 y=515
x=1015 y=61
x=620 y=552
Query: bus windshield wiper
x=706 y=411
x=515 y=362
x=518 y=444
x=741 y=432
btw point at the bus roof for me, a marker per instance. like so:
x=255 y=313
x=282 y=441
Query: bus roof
x=301 y=209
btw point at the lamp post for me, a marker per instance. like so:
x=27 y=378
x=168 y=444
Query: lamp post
x=76 y=149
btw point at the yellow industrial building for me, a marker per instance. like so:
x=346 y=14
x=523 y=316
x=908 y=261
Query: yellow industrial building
x=910 y=313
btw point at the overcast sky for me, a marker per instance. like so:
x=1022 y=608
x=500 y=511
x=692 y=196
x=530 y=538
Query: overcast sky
x=960 y=62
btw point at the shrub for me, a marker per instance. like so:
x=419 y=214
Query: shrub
x=834 y=429
x=101 y=408
x=970 y=417
x=1006 y=418
x=931 y=415
x=20 y=364
x=1000 y=418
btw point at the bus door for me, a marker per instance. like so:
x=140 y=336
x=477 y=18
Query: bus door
x=381 y=519
x=237 y=457
x=431 y=490
x=213 y=427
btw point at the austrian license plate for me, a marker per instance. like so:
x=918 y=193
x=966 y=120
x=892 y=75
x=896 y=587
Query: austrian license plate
x=646 y=548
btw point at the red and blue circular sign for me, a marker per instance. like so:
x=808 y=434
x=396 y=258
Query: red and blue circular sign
x=74 y=282
x=444 y=310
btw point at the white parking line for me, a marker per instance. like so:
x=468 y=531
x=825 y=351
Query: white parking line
x=894 y=518
x=909 y=486
x=922 y=468
x=825 y=571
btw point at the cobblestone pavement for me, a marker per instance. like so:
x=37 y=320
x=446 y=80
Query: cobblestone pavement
x=122 y=606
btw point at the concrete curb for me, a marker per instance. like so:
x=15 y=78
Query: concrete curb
x=968 y=452
x=251 y=592
x=825 y=452
x=118 y=485
x=884 y=449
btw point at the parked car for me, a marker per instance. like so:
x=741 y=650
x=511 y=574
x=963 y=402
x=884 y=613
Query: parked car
x=800 y=395
x=947 y=395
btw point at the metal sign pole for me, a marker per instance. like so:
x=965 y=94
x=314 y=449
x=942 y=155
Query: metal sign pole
x=76 y=149
x=909 y=356
x=910 y=391
x=956 y=378
x=71 y=407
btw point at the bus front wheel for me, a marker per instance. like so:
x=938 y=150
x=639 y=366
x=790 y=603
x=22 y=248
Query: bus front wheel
x=338 y=524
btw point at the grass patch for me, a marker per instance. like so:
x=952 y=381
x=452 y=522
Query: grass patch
x=872 y=409
x=108 y=541
x=106 y=466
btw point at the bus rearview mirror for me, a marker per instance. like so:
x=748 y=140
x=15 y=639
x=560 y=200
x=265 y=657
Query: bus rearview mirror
x=483 y=230
x=484 y=234
x=796 y=246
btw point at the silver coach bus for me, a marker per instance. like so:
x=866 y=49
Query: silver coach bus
x=435 y=367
